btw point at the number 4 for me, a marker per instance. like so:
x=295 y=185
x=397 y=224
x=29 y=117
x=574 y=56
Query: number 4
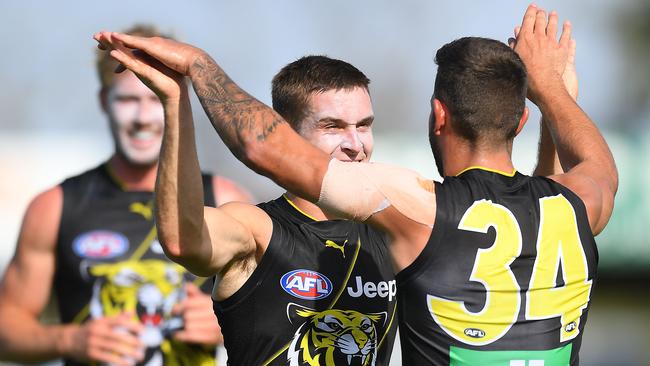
x=558 y=244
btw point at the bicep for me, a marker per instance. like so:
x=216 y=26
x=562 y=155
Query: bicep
x=28 y=279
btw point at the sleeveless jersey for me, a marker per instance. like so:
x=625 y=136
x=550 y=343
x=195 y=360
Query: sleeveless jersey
x=323 y=294
x=108 y=260
x=505 y=278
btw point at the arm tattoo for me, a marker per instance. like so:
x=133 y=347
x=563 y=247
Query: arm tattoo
x=238 y=117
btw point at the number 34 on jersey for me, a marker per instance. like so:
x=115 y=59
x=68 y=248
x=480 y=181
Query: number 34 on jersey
x=558 y=249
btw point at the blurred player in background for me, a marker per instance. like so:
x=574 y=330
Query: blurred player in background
x=91 y=242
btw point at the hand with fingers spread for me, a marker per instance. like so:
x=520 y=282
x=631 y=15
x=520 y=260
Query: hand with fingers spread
x=114 y=340
x=200 y=323
x=569 y=75
x=544 y=56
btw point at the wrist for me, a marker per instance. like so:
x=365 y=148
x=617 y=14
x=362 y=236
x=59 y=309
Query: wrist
x=200 y=61
x=551 y=94
x=64 y=339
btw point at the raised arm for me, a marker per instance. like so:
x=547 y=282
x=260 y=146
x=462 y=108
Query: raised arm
x=261 y=138
x=548 y=163
x=253 y=132
x=584 y=154
x=205 y=240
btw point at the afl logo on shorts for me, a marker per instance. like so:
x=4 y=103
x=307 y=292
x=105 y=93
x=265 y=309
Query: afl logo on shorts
x=100 y=244
x=305 y=284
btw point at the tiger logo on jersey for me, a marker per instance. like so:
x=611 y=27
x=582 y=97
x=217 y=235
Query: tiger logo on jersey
x=333 y=337
x=148 y=288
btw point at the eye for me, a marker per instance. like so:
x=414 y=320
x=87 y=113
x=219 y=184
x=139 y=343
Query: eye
x=333 y=325
x=126 y=99
x=331 y=126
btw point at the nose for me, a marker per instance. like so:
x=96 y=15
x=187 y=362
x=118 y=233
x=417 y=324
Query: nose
x=148 y=111
x=351 y=144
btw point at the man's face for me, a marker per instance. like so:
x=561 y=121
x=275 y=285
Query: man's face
x=340 y=124
x=136 y=118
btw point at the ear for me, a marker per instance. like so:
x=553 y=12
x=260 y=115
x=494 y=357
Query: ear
x=522 y=121
x=441 y=116
x=380 y=318
x=297 y=313
x=103 y=98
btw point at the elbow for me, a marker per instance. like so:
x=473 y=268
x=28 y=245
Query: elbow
x=172 y=249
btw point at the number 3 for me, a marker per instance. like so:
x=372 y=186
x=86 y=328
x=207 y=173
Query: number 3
x=558 y=244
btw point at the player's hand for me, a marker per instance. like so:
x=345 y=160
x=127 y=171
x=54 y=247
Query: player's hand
x=113 y=340
x=200 y=323
x=569 y=75
x=176 y=55
x=165 y=82
x=544 y=56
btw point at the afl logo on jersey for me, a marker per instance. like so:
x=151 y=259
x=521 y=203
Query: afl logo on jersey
x=305 y=284
x=100 y=244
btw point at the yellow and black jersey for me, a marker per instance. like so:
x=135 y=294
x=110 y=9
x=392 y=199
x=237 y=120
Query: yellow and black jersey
x=108 y=260
x=505 y=278
x=323 y=294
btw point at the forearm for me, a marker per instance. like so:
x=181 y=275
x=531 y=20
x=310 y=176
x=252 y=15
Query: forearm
x=578 y=141
x=179 y=187
x=255 y=133
x=548 y=163
x=24 y=339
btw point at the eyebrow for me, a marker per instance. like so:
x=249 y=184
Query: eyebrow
x=339 y=121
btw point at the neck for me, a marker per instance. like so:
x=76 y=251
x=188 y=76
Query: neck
x=308 y=207
x=133 y=177
x=463 y=158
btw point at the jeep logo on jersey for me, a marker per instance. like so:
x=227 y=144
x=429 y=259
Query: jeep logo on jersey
x=371 y=289
x=100 y=244
x=474 y=333
x=305 y=284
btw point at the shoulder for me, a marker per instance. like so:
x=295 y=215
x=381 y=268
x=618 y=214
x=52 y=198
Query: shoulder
x=42 y=218
x=226 y=190
x=589 y=192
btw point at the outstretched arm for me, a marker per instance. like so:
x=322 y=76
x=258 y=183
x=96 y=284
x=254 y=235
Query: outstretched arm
x=548 y=163
x=260 y=138
x=253 y=132
x=203 y=239
x=584 y=154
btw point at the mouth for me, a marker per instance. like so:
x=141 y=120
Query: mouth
x=142 y=139
x=362 y=357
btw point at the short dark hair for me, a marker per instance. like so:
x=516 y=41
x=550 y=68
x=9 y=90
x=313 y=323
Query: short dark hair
x=297 y=81
x=106 y=64
x=483 y=84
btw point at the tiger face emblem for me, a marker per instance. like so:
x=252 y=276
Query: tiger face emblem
x=333 y=337
x=149 y=288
